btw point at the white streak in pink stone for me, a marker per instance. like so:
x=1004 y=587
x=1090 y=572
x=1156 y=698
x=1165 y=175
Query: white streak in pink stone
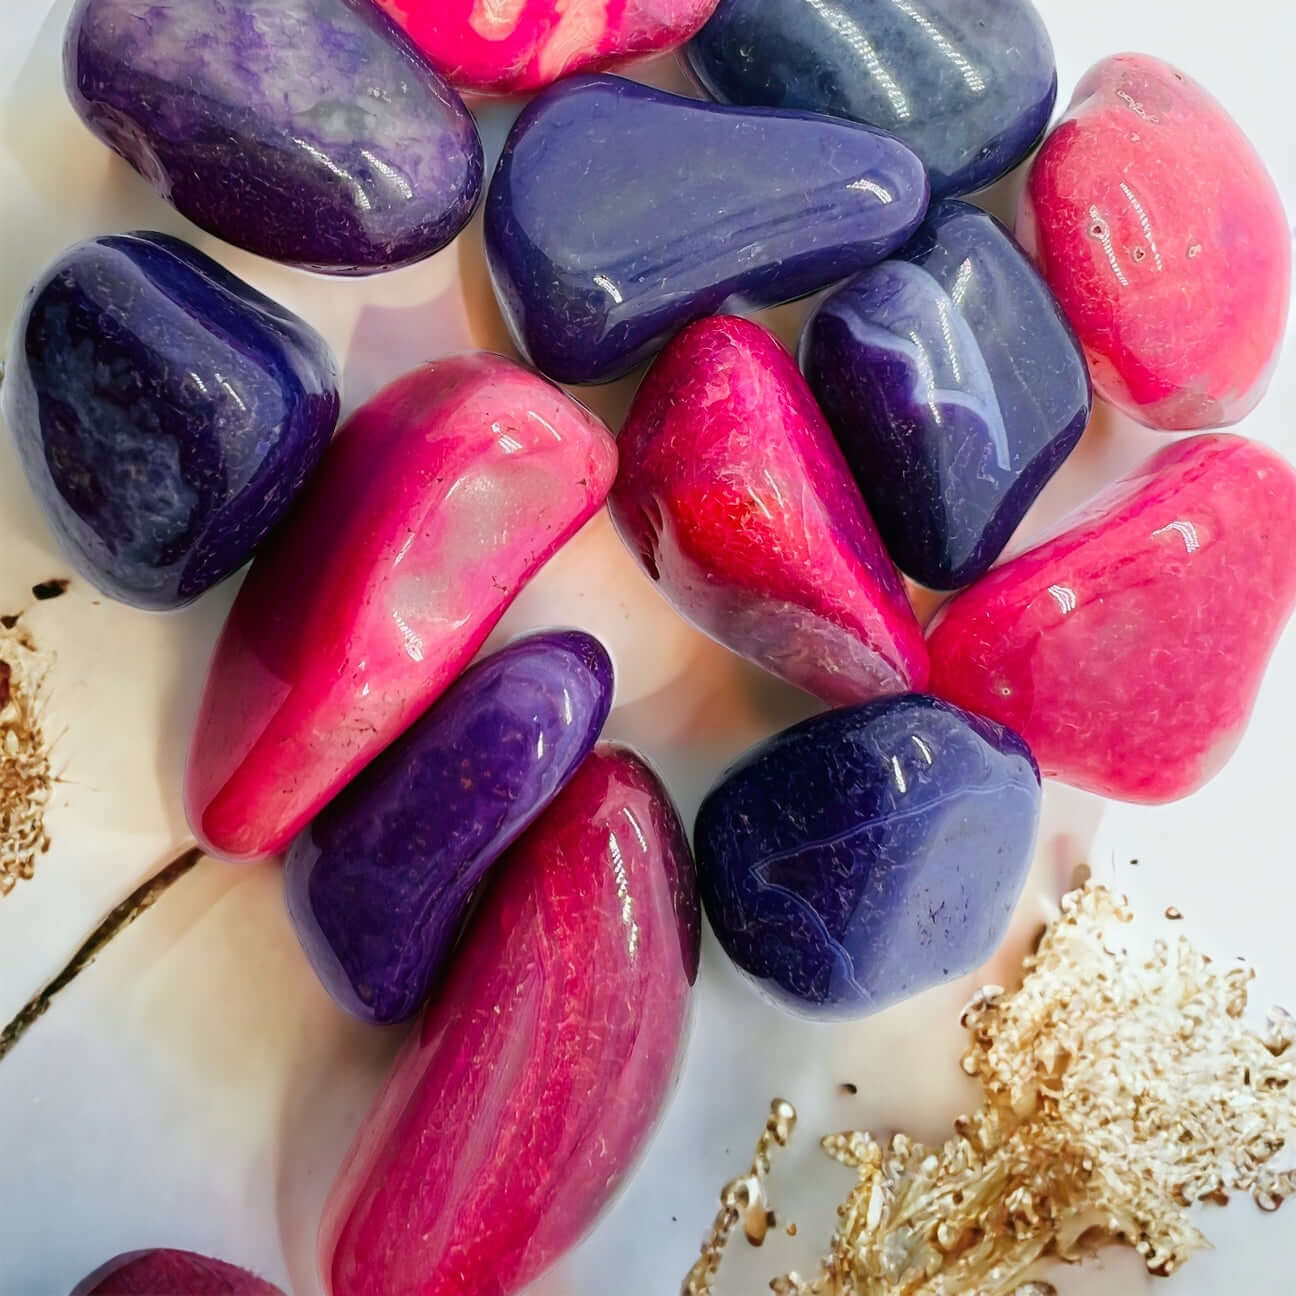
x=496 y=19
x=1186 y=531
x=582 y=27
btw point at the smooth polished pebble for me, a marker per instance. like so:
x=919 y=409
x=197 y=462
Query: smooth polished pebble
x=956 y=389
x=378 y=885
x=969 y=85
x=435 y=504
x=1157 y=225
x=620 y=213
x=1128 y=649
x=524 y=45
x=171 y=1273
x=869 y=853
x=738 y=504
x=166 y=414
x=308 y=131
x=525 y=1098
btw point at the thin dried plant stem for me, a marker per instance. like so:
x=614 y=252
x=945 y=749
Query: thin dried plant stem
x=142 y=899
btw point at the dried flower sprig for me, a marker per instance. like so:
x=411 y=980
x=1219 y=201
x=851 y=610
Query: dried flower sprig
x=26 y=780
x=1117 y=1093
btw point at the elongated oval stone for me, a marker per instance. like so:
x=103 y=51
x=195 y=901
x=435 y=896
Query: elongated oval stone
x=308 y=131
x=524 y=45
x=378 y=885
x=433 y=507
x=1128 y=649
x=737 y=502
x=592 y=272
x=181 y=1273
x=869 y=853
x=1163 y=235
x=956 y=388
x=523 y=1101
x=166 y=413
x=969 y=85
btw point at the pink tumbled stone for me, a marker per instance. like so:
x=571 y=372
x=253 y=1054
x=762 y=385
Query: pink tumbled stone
x=171 y=1273
x=1156 y=224
x=1128 y=649
x=738 y=503
x=431 y=509
x=522 y=1102
x=515 y=46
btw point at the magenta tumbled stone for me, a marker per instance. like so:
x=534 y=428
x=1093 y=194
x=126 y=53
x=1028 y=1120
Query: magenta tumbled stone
x=171 y=1273
x=736 y=500
x=522 y=1102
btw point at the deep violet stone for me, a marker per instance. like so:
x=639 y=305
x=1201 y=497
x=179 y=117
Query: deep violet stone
x=620 y=213
x=378 y=884
x=868 y=853
x=956 y=388
x=308 y=131
x=171 y=1273
x=166 y=413
x=969 y=85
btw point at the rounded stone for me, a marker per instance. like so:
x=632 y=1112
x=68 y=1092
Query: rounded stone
x=152 y=1273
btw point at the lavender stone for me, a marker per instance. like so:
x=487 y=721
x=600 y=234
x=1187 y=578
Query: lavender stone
x=165 y=412
x=378 y=884
x=308 y=131
x=956 y=389
x=868 y=853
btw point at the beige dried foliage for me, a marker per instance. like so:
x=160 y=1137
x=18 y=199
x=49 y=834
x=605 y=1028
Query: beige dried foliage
x=1118 y=1091
x=26 y=780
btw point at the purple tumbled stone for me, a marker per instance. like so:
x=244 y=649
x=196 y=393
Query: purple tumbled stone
x=378 y=884
x=308 y=131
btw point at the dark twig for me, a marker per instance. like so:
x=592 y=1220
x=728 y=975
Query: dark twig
x=138 y=902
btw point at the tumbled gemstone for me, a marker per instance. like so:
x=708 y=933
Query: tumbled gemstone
x=737 y=502
x=956 y=389
x=308 y=131
x=522 y=1102
x=620 y=213
x=433 y=507
x=1128 y=649
x=171 y=1273
x=166 y=413
x=969 y=85
x=378 y=885
x=524 y=45
x=1156 y=224
x=869 y=853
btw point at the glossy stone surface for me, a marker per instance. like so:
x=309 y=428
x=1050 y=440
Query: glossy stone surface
x=956 y=388
x=434 y=505
x=308 y=131
x=1158 y=227
x=969 y=85
x=378 y=885
x=171 y=1273
x=1128 y=649
x=522 y=1102
x=524 y=45
x=166 y=413
x=594 y=275
x=869 y=853
x=737 y=502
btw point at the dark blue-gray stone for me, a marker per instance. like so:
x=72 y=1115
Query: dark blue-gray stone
x=868 y=853
x=969 y=85
x=166 y=413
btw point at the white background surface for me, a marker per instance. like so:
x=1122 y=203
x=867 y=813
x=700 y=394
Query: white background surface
x=197 y=1089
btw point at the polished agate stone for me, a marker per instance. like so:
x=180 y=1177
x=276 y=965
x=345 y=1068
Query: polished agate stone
x=1128 y=649
x=308 y=131
x=737 y=502
x=522 y=1102
x=969 y=85
x=166 y=413
x=171 y=1273
x=869 y=853
x=1156 y=224
x=433 y=507
x=378 y=885
x=956 y=388
x=524 y=45
x=620 y=213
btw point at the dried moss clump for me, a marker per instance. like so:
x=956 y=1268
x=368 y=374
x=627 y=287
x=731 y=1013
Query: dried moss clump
x=26 y=781
x=1117 y=1093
